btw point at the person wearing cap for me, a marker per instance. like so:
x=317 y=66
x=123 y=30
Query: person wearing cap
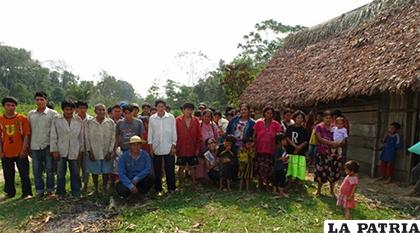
x=202 y=106
x=126 y=128
x=136 y=110
x=134 y=169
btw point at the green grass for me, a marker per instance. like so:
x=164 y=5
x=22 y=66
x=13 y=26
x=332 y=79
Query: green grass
x=210 y=210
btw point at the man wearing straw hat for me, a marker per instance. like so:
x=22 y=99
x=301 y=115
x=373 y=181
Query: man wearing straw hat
x=134 y=169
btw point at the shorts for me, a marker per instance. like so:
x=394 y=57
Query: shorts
x=184 y=161
x=99 y=166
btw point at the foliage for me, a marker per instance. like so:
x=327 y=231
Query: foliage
x=259 y=46
x=21 y=76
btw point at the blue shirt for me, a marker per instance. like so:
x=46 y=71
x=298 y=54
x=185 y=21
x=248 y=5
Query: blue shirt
x=392 y=143
x=133 y=170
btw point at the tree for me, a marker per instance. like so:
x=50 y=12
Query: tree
x=258 y=48
x=153 y=93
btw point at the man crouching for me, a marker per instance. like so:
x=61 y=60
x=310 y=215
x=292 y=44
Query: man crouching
x=134 y=168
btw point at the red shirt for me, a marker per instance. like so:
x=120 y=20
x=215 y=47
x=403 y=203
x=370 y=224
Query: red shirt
x=145 y=146
x=188 y=138
x=265 y=136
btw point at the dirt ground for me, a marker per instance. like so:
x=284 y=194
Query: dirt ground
x=376 y=193
x=81 y=216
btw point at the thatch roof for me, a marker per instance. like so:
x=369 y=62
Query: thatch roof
x=376 y=54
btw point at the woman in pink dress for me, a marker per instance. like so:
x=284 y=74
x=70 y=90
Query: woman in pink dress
x=348 y=188
x=265 y=131
x=208 y=130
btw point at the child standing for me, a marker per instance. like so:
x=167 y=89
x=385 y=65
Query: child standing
x=280 y=165
x=246 y=163
x=225 y=156
x=392 y=143
x=348 y=188
x=339 y=135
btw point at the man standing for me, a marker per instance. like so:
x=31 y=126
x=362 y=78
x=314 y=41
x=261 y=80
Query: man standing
x=40 y=120
x=188 y=143
x=127 y=128
x=82 y=107
x=134 y=169
x=162 y=138
x=15 y=131
x=66 y=147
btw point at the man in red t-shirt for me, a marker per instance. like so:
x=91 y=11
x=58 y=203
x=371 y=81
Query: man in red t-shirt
x=15 y=133
x=188 y=143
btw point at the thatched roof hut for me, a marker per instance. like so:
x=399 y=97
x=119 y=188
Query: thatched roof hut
x=367 y=51
x=365 y=63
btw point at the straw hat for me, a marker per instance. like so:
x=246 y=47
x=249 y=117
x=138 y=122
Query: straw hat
x=136 y=139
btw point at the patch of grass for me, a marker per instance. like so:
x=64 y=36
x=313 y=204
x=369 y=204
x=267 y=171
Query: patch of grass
x=209 y=211
x=214 y=211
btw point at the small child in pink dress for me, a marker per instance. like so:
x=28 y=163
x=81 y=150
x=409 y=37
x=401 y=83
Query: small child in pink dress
x=348 y=188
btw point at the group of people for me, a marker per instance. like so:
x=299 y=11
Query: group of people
x=132 y=151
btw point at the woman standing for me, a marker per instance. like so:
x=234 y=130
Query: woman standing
x=265 y=131
x=208 y=130
x=327 y=165
x=242 y=127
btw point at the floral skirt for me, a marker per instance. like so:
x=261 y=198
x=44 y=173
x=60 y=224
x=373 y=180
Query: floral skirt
x=327 y=168
x=263 y=166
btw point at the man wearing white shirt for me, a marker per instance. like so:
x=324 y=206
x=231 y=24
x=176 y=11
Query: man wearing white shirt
x=40 y=120
x=162 y=140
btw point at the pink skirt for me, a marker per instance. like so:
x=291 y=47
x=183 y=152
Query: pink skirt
x=201 y=169
x=345 y=202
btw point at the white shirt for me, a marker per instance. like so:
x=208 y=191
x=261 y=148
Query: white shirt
x=66 y=139
x=41 y=127
x=84 y=121
x=100 y=137
x=162 y=133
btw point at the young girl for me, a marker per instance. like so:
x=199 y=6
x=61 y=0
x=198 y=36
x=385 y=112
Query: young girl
x=297 y=138
x=348 y=187
x=225 y=156
x=212 y=162
x=246 y=164
x=280 y=164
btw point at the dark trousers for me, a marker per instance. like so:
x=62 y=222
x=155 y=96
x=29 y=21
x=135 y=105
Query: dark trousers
x=143 y=186
x=169 y=165
x=280 y=178
x=22 y=164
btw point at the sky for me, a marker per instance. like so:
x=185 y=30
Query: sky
x=140 y=41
